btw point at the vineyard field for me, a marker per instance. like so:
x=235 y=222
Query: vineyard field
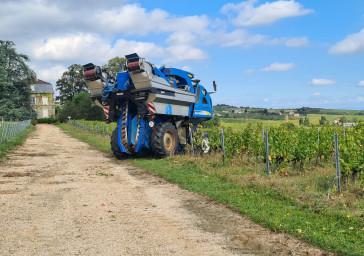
x=289 y=145
x=293 y=145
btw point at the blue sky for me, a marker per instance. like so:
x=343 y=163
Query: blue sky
x=272 y=54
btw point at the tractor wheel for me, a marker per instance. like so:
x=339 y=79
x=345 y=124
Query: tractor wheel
x=115 y=146
x=164 y=140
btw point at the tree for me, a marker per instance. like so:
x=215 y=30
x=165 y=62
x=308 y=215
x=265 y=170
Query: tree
x=265 y=112
x=71 y=83
x=306 y=121
x=343 y=120
x=323 y=120
x=15 y=80
x=81 y=107
x=114 y=64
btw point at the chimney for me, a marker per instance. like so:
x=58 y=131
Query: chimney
x=35 y=78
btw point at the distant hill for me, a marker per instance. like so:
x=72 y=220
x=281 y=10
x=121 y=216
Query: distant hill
x=302 y=111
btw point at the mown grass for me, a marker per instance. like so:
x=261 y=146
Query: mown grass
x=294 y=203
x=14 y=142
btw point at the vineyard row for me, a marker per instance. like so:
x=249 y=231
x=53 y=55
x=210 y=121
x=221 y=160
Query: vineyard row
x=288 y=144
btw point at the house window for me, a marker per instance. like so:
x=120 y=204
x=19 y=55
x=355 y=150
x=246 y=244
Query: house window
x=45 y=100
x=32 y=100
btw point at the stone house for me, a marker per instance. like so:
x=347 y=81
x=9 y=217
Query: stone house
x=42 y=99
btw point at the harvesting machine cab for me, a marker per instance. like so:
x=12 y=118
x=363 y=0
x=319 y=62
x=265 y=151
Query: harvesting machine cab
x=152 y=107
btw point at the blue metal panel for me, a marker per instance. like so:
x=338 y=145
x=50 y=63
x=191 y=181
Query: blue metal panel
x=168 y=109
x=133 y=127
x=160 y=74
x=123 y=80
x=184 y=76
x=147 y=136
x=203 y=106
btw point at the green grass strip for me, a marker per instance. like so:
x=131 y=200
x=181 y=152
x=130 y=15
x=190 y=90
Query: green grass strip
x=100 y=142
x=14 y=142
x=328 y=229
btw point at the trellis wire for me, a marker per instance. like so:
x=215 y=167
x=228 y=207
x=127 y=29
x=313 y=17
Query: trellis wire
x=9 y=129
x=93 y=129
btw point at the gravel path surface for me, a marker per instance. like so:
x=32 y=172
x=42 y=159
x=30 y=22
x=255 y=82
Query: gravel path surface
x=59 y=196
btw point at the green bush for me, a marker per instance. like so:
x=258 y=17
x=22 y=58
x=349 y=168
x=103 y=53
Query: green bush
x=47 y=120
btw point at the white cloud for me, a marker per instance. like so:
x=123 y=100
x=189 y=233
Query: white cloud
x=242 y=37
x=239 y=37
x=269 y=12
x=51 y=74
x=352 y=44
x=22 y=19
x=249 y=71
x=184 y=37
x=289 y=42
x=187 y=68
x=361 y=83
x=279 y=67
x=73 y=47
x=360 y=99
x=296 y=41
x=321 y=81
x=94 y=48
x=266 y=100
x=178 y=53
x=133 y=19
x=316 y=94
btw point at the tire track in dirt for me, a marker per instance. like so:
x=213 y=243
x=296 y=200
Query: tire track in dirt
x=59 y=196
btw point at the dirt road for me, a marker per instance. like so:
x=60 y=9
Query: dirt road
x=59 y=196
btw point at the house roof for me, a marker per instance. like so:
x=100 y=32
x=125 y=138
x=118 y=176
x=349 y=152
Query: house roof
x=38 y=81
x=42 y=88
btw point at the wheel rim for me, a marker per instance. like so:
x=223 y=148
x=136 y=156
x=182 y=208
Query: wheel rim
x=169 y=141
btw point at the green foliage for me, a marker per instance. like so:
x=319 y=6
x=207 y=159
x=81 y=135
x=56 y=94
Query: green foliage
x=214 y=122
x=343 y=120
x=352 y=151
x=81 y=107
x=14 y=141
x=114 y=64
x=289 y=144
x=304 y=121
x=47 y=120
x=71 y=83
x=323 y=121
x=15 y=80
x=94 y=127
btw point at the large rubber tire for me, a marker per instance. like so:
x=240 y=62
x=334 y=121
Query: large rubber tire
x=164 y=140
x=115 y=146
